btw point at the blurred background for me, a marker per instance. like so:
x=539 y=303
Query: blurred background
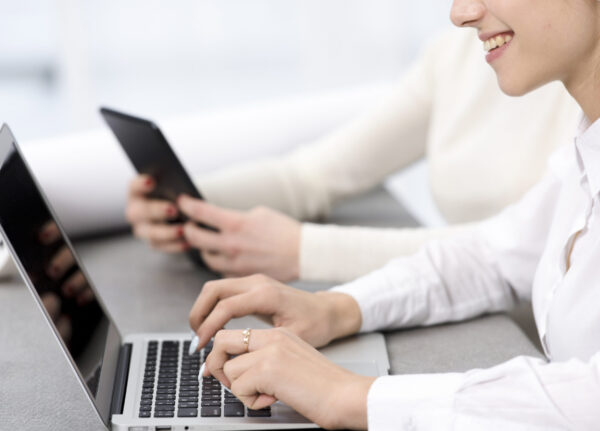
x=60 y=59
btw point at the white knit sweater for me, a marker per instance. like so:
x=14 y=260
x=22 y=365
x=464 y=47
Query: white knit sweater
x=446 y=107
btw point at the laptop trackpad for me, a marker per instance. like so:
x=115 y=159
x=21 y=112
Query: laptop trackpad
x=364 y=368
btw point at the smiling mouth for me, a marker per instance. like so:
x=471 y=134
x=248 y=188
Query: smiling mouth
x=497 y=41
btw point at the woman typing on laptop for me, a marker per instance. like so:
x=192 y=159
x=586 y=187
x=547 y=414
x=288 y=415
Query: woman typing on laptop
x=543 y=248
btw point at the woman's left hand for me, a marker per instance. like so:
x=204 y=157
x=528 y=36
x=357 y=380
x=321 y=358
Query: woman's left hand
x=260 y=240
x=281 y=366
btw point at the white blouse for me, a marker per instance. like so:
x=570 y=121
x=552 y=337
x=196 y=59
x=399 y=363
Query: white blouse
x=524 y=252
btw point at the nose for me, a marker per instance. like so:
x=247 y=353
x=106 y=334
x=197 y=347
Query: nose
x=467 y=12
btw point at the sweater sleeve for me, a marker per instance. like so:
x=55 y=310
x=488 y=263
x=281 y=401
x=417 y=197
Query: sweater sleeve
x=308 y=182
x=343 y=253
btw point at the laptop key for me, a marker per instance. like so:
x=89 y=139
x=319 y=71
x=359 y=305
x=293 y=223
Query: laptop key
x=190 y=380
x=211 y=403
x=164 y=408
x=210 y=412
x=145 y=414
x=211 y=396
x=234 y=410
x=160 y=414
x=262 y=413
x=165 y=396
x=188 y=412
x=189 y=388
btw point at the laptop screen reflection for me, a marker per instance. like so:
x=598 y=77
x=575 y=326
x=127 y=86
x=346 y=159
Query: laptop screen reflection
x=47 y=259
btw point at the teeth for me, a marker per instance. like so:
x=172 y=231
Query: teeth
x=496 y=42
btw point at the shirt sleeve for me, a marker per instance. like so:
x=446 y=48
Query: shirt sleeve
x=483 y=270
x=521 y=394
x=308 y=182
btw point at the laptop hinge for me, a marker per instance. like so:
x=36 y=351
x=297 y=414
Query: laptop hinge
x=120 y=386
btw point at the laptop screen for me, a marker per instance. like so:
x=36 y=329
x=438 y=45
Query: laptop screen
x=51 y=267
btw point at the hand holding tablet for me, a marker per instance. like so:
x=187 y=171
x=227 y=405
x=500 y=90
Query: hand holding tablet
x=166 y=209
x=163 y=178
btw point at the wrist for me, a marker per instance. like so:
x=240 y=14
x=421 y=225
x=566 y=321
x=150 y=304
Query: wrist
x=343 y=313
x=352 y=410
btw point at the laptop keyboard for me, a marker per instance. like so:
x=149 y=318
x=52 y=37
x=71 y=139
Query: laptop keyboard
x=175 y=390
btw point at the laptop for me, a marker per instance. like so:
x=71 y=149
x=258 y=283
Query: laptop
x=140 y=382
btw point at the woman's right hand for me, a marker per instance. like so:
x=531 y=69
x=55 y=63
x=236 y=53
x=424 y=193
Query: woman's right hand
x=317 y=318
x=149 y=217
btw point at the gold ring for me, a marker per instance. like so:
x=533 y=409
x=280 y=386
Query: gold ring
x=246 y=339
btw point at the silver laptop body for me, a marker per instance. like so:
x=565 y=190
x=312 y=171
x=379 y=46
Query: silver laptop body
x=140 y=382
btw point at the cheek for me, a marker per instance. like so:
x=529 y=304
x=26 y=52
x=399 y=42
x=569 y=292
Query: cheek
x=532 y=62
x=520 y=70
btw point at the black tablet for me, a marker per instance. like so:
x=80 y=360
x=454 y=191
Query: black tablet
x=150 y=153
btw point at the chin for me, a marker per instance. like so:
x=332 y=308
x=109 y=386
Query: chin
x=514 y=88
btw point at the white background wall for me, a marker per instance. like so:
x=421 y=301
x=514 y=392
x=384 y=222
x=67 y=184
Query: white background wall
x=60 y=59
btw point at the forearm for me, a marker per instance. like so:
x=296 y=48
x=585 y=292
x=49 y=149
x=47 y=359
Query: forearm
x=309 y=181
x=247 y=185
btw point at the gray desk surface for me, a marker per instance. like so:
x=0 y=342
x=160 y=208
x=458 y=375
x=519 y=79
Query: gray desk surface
x=147 y=291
